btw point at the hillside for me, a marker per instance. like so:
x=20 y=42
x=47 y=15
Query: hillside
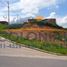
x=41 y=24
x=36 y=23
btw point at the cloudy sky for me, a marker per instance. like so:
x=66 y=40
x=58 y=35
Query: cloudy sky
x=32 y=8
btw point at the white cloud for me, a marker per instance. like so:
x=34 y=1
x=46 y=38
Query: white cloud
x=64 y=20
x=61 y=21
x=2 y=18
x=52 y=15
x=30 y=7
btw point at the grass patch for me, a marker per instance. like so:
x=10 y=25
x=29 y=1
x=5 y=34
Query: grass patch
x=3 y=27
x=45 y=46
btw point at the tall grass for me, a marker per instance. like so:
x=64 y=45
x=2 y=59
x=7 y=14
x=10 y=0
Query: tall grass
x=42 y=45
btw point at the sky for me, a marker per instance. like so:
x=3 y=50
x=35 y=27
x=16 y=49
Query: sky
x=32 y=8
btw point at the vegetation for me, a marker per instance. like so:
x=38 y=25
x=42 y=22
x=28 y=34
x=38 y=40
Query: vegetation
x=45 y=46
x=53 y=25
x=40 y=23
x=2 y=27
x=14 y=26
x=42 y=45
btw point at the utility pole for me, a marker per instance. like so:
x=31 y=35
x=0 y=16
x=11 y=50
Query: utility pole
x=8 y=12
